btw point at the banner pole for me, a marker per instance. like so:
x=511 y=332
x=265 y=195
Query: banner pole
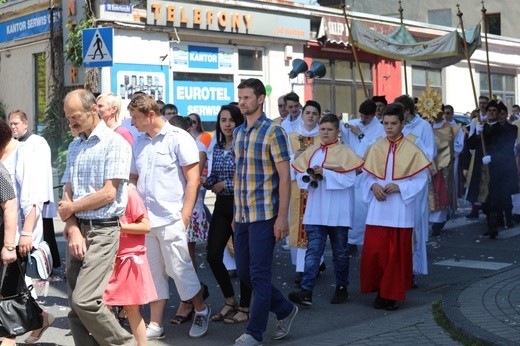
x=351 y=41
x=485 y=23
x=404 y=61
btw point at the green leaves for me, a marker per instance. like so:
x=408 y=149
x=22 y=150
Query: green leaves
x=73 y=44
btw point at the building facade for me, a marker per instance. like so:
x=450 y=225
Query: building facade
x=194 y=54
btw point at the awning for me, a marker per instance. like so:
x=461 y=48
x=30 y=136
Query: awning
x=333 y=30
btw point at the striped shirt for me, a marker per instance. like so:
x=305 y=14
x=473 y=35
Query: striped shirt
x=104 y=155
x=257 y=150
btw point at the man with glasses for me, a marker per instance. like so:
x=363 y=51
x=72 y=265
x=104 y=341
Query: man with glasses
x=281 y=110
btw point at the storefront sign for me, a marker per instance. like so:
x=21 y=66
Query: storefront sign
x=203 y=98
x=193 y=16
x=29 y=25
x=203 y=57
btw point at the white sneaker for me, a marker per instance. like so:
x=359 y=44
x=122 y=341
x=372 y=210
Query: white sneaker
x=154 y=334
x=200 y=324
x=246 y=340
x=283 y=327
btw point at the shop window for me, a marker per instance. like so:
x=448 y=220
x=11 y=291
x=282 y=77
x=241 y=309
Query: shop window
x=493 y=23
x=250 y=59
x=341 y=90
x=502 y=87
x=40 y=95
x=440 y=17
x=422 y=76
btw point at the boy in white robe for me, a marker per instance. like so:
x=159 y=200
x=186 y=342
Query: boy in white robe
x=328 y=171
x=397 y=173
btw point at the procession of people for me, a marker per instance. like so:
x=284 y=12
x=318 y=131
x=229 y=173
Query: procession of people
x=131 y=205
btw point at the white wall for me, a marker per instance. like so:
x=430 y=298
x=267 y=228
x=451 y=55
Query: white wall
x=17 y=78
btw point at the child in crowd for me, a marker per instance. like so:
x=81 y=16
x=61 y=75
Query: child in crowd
x=327 y=170
x=131 y=283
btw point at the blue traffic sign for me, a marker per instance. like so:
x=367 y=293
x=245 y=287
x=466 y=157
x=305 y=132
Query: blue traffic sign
x=98 y=47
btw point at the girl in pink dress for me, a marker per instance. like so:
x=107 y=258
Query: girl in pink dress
x=131 y=283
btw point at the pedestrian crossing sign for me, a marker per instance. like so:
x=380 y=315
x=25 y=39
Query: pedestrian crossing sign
x=97 y=47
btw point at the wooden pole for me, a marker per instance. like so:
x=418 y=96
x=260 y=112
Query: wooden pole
x=351 y=41
x=485 y=23
x=466 y=53
x=404 y=61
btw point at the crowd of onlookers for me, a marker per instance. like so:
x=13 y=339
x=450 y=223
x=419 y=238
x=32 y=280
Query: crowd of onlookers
x=133 y=204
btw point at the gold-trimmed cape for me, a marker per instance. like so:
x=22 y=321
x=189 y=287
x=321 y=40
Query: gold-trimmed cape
x=338 y=158
x=408 y=158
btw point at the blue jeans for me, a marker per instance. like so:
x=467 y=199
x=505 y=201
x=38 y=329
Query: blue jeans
x=316 y=241
x=254 y=246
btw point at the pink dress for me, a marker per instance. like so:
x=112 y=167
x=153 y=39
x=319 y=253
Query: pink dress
x=131 y=282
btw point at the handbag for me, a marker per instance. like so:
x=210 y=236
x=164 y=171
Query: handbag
x=19 y=313
x=39 y=263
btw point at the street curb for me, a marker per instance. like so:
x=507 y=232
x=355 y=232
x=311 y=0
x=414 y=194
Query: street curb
x=458 y=323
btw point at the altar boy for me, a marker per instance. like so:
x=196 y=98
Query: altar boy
x=397 y=171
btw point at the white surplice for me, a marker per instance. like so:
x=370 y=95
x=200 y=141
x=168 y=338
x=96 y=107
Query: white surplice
x=372 y=132
x=424 y=133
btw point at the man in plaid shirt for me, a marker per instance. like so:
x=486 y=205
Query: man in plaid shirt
x=262 y=190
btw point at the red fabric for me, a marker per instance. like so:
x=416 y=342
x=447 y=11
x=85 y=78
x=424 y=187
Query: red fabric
x=386 y=261
x=441 y=199
x=131 y=282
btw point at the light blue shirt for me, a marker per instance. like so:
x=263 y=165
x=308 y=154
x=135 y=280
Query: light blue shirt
x=91 y=161
x=158 y=162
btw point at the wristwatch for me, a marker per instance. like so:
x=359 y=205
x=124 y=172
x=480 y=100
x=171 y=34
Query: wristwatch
x=360 y=137
x=10 y=247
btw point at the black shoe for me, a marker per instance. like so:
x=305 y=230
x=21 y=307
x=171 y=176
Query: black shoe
x=298 y=278
x=414 y=282
x=436 y=228
x=340 y=296
x=472 y=215
x=493 y=234
x=379 y=303
x=301 y=297
x=391 y=305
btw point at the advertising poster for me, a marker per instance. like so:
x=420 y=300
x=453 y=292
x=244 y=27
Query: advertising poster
x=130 y=78
x=202 y=97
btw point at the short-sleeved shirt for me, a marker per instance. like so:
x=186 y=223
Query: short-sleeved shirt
x=257 y=150
x=6 y=194
x=158 y=162
x=104 y=155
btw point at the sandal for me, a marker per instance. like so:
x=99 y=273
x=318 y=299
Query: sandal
x=32 y=339
x=180 y=319
x=235 y=320
x=229 y=313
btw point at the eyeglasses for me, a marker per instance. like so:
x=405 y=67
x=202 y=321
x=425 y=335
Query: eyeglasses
x=281 y=106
